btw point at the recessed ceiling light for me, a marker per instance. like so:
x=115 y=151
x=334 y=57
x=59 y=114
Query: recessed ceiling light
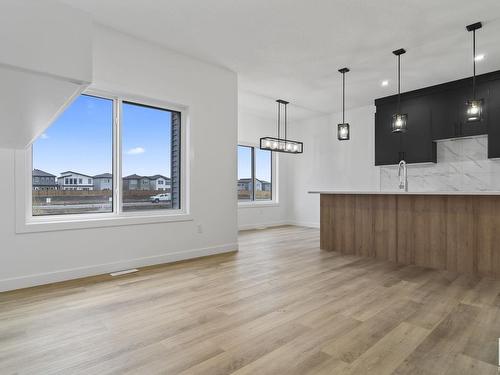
x=385 y=83
x=479 y=57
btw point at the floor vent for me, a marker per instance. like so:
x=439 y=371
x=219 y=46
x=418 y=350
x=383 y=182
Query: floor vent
x=124 y=272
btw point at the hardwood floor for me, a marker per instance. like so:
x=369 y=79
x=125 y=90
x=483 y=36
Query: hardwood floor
x=279 y=306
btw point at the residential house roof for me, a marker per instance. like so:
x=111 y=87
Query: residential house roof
x=40 y=173
x=104 y=175
x=250 y=180
x=157 y=176
x=132 y=177
x=137 y=177
x=71 y=172
x=245 y=180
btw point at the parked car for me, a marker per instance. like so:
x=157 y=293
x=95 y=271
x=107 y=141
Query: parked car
x=160 y=198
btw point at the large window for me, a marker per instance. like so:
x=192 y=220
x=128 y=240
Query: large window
x=254 y=174
x=78 y=160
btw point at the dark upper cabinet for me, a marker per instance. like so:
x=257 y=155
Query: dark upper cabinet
x=434 y=113
x=416 y=143
x=387 y=144
x=448 y=112
x=444 y=111
x=494 y=120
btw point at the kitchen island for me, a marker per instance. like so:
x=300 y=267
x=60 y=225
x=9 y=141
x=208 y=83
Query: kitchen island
x=455 y=231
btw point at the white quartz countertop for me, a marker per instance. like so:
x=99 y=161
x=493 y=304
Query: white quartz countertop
x=398 y=192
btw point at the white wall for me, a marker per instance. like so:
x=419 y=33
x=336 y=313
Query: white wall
x=45 y=61
x=250 y=129
x=331 y=164
x=133 y=66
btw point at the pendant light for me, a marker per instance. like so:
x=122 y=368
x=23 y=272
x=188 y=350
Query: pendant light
x=343 y=132
x=399 y=120
x=474 y=107
x=281 y=144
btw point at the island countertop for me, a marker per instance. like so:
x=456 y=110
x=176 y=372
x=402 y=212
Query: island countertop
x=398 y=192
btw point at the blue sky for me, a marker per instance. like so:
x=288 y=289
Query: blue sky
x=262 y=163
x=146 y=140
x=81 y=140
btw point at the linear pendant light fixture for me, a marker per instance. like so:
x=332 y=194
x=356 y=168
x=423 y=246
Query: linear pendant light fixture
x=399 y=120
x=281 y=144
x=474 y=106
x=343 y=131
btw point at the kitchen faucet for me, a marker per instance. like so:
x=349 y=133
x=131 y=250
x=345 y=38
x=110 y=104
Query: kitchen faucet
x=403 y=177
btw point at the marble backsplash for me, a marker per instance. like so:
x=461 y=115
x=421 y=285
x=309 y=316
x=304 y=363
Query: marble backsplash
x=462 y=165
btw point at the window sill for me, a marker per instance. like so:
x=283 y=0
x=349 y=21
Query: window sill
x=83 y=221
x=257 y=204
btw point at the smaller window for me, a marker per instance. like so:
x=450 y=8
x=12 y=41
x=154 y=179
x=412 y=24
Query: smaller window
x=254 y=174
x=80 y=181
x=90 y=181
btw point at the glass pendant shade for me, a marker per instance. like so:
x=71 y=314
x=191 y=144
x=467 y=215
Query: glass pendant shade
x=474 y=110
x=343 y=132
x=281 y=145
x=399 y=123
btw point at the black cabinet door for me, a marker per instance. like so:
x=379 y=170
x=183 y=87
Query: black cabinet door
x=444 y=113
x=416 y=143
x=493 y=109
x=387 y=144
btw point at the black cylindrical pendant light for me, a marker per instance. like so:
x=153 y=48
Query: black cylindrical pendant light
x=399 y=120
x=474 y=106
x=343 y=131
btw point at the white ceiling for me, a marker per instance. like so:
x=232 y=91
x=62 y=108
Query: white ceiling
x=292 y=49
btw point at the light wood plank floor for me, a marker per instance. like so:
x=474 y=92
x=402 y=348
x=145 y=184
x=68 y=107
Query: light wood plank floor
x=279 y=306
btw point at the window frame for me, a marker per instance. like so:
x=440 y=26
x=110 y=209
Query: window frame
x=27 y=223
x=274 y=201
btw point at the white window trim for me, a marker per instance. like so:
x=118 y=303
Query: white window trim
x=274 y=202
x=27 y=223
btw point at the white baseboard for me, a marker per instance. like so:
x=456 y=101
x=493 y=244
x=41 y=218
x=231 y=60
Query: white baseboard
x=304 y=224
x=277 y=224
x=262 y=225
x=99 y=269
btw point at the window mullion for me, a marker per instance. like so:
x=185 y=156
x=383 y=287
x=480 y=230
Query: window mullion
x=272 y=177
x=253 y=174
x=117 y=170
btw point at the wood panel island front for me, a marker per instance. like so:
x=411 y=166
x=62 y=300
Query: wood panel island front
x=456 y=231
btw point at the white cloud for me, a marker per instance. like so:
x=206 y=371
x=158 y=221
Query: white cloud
x=136 y=151
x=44 y=136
